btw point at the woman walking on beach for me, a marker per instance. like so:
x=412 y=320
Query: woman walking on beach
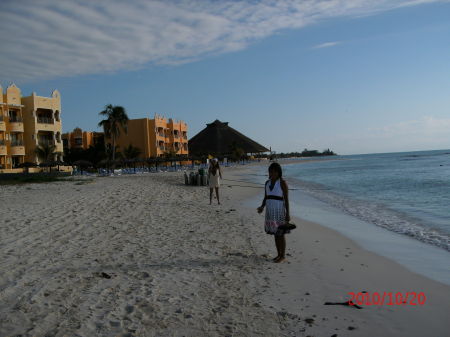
x=214 y=174
x=277 y=209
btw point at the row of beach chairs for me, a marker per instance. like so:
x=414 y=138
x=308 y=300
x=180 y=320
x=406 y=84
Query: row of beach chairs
x=141 y=170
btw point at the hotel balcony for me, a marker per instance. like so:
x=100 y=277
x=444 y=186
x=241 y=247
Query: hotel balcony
x=17 y=142
x=3 y=149
x=77 y=143
x=15 y=119
x=45 y=120
x=49 y=137
x=17 y=148
x=46 y=142
x=16 y=124
x=2 y=123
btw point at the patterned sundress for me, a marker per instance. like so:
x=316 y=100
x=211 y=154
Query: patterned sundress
x=275 y=210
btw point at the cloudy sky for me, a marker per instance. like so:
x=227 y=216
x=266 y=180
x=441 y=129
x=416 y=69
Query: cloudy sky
x=356 y=76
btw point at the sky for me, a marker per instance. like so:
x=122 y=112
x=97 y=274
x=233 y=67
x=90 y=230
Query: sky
x=355 y=76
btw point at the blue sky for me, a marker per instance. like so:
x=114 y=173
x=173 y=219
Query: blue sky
x=356 y=76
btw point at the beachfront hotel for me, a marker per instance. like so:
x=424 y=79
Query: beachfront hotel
x=25 y=123
x=42 y=123
x=12 y=149
x=155 y=137
x=82 y=140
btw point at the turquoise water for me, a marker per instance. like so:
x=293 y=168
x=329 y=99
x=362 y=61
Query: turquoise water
x=407 y=193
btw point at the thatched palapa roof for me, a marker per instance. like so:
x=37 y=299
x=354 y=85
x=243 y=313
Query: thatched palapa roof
x=220 y=139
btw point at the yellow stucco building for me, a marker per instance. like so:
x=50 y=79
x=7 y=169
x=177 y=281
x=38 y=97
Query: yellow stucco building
x=12 y=149
x=42 y=122
x=26 y=122
x=155 y=137
x=79 y=139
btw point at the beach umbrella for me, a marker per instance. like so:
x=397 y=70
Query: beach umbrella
x=59 y=163
x=220 y=139
x=133 y=162
x=49 y=164
x=43 y=164
x=107 y=163
x=82 y=164
x=104 y=162
x=26 y=165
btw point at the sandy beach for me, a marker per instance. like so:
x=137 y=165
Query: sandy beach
x=145 y=255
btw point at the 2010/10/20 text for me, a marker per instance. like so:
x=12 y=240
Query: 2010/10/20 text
x=387 y=298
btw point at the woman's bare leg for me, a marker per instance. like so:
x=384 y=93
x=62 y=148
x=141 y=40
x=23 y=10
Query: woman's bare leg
x=280 y=241
x=210 y=195
x=278 y=249
x=217 y=195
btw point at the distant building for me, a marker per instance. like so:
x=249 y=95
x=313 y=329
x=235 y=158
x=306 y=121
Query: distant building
x=42 y=122
x=79 y=139
x=25 y=123
x=12 y=149
x=155 y=137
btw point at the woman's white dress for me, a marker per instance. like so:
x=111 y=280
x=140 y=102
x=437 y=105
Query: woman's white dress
x=214 y=179
x=275 y=209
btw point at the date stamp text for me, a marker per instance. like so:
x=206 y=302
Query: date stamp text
x=387 y=298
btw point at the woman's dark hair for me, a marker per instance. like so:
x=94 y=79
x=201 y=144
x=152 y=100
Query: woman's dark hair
x=277 y=168
x=214 y=166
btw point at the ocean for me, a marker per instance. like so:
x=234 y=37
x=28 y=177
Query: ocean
x=407 y=193
x=395 y=204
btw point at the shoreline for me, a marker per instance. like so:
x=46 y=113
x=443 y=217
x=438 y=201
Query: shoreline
x=395 y=246
x=329 y=265
x=146 y=255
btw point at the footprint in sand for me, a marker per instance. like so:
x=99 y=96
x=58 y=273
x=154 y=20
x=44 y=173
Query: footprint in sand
x=129 y=309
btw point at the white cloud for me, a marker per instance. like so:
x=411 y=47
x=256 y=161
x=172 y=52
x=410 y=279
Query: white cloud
x=48 y=39
x=326 y=45
x=425 y=126
x=425 y=133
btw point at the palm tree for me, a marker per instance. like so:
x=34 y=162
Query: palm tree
x=170 y=153
x=116 y=119
x=131 y=152
x=45 y=152
x=237 y=153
